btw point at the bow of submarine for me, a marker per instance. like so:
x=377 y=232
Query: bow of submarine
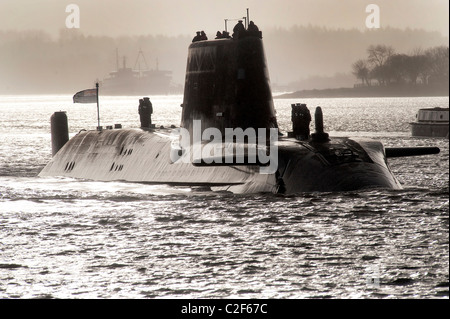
x=340 y=165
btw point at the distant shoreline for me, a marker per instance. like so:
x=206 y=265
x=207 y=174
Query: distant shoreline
x=374 y=91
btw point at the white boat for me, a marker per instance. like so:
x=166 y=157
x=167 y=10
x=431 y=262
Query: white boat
x=431 y=122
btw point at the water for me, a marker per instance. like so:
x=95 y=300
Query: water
x=66 y=238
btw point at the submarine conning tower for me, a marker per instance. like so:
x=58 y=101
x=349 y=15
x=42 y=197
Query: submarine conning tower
x=227 y=85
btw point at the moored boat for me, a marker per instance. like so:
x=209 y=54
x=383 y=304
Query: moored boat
x=431 y=122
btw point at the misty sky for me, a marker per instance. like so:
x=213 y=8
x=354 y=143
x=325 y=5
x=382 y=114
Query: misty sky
x=174 y=17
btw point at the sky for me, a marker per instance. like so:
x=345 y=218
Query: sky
x=175 y=17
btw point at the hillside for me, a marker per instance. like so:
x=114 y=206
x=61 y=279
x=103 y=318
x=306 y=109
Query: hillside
x=406 y=91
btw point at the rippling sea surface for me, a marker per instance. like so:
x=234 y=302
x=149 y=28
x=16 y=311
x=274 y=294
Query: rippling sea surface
x=67 y=238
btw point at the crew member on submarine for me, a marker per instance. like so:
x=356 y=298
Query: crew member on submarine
x=301 y=118
x=239 y=30
x=145 y=112
x=253 y=29
x=197 y=37
x=203 y=36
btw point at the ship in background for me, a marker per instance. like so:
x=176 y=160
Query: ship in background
x=140 y=80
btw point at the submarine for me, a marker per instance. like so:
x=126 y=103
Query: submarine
x=228 y=139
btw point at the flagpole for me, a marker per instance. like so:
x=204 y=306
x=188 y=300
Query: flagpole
x=98 y=109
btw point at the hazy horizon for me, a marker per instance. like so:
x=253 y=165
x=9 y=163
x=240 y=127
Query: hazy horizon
x=175 y=17
x=309 y=42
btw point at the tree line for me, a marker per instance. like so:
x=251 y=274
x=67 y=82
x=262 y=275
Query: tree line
x=301 y=57
x=384 y=67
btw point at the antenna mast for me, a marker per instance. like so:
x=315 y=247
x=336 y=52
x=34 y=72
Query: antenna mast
x=246 y=19
x=117 y=59
x=141 y=54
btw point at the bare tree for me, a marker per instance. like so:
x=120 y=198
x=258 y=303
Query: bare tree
x=378 y=56
x=417 y=65
x=438 y=58
x=361 y=71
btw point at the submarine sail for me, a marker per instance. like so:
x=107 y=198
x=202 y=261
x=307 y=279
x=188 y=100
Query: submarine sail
x=227 y=85
x=228 y=106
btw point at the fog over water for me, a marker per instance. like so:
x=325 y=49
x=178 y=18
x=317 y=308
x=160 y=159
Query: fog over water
x=174 y=17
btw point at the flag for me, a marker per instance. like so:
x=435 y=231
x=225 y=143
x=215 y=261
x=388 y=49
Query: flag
x=86 y=96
